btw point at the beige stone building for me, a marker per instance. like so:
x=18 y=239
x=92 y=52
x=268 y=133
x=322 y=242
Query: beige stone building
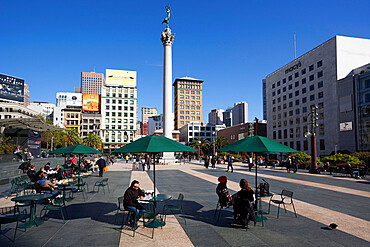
x=188 y=101
x=72 y=118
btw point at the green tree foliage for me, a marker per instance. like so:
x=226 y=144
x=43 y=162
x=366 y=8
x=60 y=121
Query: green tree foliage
x=302 y=157
x=337 y=159
x=5 y=146
x=364 y=156
x=204 y=145
x=73 y=137
x=93 y=141
x=221 y=142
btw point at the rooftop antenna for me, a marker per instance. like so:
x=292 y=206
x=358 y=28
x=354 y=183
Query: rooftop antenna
x=295 y=47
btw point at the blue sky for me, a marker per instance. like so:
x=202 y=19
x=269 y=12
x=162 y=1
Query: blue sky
x=231 y=45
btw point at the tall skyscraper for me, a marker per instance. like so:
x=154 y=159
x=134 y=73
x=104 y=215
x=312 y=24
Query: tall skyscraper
x=240 y=113
x=119 y=109
x=146 y=113
x=91 y=82
x=188 y=101
x=216 y=117
x=27 y=100
x=228 y=117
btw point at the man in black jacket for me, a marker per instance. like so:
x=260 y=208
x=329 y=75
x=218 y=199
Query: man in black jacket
x=101 y=164
x=32 y=173
x=130 y=199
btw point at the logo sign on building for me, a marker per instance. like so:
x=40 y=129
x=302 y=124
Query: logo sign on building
x=91 y=102
x=115 y=77
x=11 y=88
x=346 y=126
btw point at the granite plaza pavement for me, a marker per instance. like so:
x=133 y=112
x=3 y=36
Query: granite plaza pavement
x=319 y=200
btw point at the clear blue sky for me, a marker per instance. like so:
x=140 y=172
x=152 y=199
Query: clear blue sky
x=231 y=45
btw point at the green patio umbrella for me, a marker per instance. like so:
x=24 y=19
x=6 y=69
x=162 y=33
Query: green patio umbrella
x=57 y=151
x=80 y=149
x=257 y=144
x=154 y=144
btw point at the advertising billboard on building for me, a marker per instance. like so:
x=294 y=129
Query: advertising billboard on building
x=91 y=102
x=115 y=77
x=69 y=100
x=11 y=88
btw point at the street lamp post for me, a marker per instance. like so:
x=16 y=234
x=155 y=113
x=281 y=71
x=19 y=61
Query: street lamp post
x=214 y=143
x=312 y=134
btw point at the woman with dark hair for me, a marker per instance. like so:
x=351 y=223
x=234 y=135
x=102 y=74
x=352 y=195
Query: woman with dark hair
x=243 y=204
x=131 y=196
x=223 y=193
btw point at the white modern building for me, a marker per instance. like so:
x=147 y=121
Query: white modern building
x=15 y=110
x=44 y=108
x=65 y=100
x=216 y=116
x=240 y=113
x=312 y=79
x=195 y=130
x=119 y=115
x=146 y=113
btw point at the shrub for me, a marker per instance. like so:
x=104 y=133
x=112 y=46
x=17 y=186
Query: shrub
x=337 y=159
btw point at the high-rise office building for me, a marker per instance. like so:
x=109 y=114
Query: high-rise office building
x=146 y=113
x=26 y=95
x=91 y=82
x=309 y=80
x=188 y=101
x=228 y=117
x=216 y=117
x=240 y=113
x=119 y=109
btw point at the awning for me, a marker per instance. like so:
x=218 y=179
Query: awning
x=28 y=123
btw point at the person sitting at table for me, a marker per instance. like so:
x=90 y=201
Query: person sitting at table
x=45 y=185
x=59 y=175
x=130 y=199
x=32 y=173
x=223 y=193
x=39 y=172
x=243 y=204
x=47 y=166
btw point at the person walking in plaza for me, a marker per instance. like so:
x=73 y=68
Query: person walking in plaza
x=294 y=164
x=147 y=161
x=230 y=164
x=126 y=158
x=136 y=162
x=101 y=164
x=213 y=162
x=206 y=161
x=288 y=164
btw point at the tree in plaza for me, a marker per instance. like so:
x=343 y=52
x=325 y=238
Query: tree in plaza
x=93 y=141
x=221 y=142
x=60 y=139
x=46 y=136
x=204 y=144
x=73 y=137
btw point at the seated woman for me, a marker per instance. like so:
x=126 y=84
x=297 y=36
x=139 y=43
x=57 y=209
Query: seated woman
x=59 y=175
x=243 y=204
x=223 y=193
x=45 y=185
x=131 y=196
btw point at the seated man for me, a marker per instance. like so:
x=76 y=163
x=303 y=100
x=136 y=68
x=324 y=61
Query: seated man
x=45 y=185
x=243 y=204
x=131 y=196
x=59 y=175
x=47 y=166
x=223 y=193
x=32 y=174
x=38 y=174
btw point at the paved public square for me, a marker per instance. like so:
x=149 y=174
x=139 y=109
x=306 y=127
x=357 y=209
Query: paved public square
x=319 y=200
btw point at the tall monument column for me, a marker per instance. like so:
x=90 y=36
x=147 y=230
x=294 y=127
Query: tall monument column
x=168 y=124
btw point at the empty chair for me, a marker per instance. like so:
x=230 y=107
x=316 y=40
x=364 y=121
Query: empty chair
x=286 y=197
x=103 y=183
x=178 y=207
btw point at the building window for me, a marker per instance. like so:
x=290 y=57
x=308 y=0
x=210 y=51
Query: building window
x=321 y=95
x=304 y=80
x=290 y=86
x=304 y=109
x=296 y=93
x=279 y=134
x=296 y=111
x=320 y=84
x=312 y=87
x=278 y=83
x=278 y=91
x=305 y=145
x=321 y=105
x=312 y=77
x=290 y=104
x=274 y=135
x=290 y=78
x=304 y=100
x=296 y=74
x=312 y=97
x=310 y=68
x=298 y=146
x=285 y=133
x=304 y=90
x=273 y=94
x=290 y=95
x=284 y=80
x=284 y=89
x=297 y=102
x=303 y=71
x=321 y=129
x=296 y=84
x=322 y=144
x=291 y=132
x=319 y=74
x=319 y=64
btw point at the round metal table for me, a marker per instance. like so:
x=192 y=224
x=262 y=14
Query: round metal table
x=158 y=198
